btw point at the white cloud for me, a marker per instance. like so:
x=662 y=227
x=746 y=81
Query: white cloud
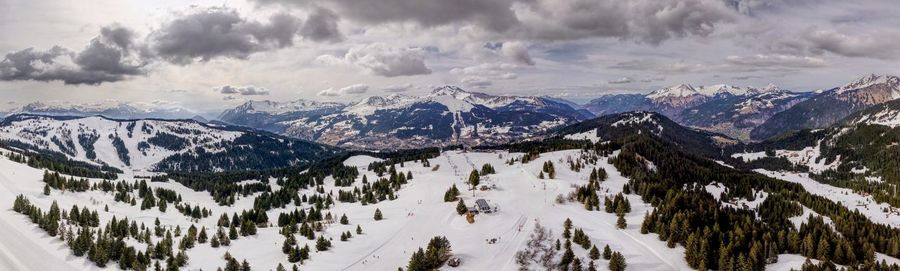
x=348 y=90
x=355 y=89
x=247 y=90
x=777 y=60
x=381 y=59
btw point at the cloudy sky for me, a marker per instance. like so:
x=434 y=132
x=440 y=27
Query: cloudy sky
x=209 y=55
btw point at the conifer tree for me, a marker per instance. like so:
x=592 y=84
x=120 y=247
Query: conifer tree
x=617 y=262
x=378 y=215
x=474 y=180
x=461 y=208
x=594 y=253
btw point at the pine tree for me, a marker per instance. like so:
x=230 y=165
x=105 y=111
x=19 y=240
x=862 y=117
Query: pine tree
x=46 y=189
x=620 y=222
x=461 y=208
x=617 y=262
x=567 y=258
x=576 y=265
x=201 y=238
x=358 y=230
x=378 y=215
x=344 y=219
x=607 y=253
x=474 y=180
x=594 y=253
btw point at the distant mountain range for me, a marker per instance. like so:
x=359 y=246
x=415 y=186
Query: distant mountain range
x=118 y=110
x=830 y=106
x=448 y=115
x=726 y=109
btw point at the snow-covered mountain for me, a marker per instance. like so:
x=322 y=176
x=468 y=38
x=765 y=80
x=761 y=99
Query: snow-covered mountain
x=830 y=106
x=447 y=115
x=721 y=108
x=110 y=109
x=168 y=145
x=268 y=115
x=621 y=125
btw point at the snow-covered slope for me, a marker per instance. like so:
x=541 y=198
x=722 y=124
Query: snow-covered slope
x=138 y=144
x=409 y=221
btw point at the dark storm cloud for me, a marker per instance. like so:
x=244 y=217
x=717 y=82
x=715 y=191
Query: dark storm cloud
x=221 y=32
x=495 y=14
x=110 y=57
x=651 y=21
x=321 y=25
x=111 y=53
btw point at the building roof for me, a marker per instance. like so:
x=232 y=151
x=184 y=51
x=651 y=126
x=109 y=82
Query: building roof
x=482 y=204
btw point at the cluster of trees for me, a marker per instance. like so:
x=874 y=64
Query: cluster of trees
x=732 y=238
x=55 y=181
x=451 y=194
x=168 y=141
x=294 y=252
x=196 y=212
x=59 y=163
x=379 y=190
x=267 y=153
x=401 y=157
x=223 y=187
x=549 y=169
x=487 y=169
x=81 y=232
x=432 y=257
x=121 y=150
x=232 y=264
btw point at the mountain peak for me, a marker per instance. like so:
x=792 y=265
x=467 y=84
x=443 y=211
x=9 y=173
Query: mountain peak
x=890 y=81
x=447 y=90
x=680 y=90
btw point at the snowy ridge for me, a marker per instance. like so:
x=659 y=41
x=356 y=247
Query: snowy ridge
x=111 y=109
x=276 y=108
x=887 y=114
x=639 y=118
x=369 y=105
x=92 y=139
x=679 y=91
x=889 y=81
